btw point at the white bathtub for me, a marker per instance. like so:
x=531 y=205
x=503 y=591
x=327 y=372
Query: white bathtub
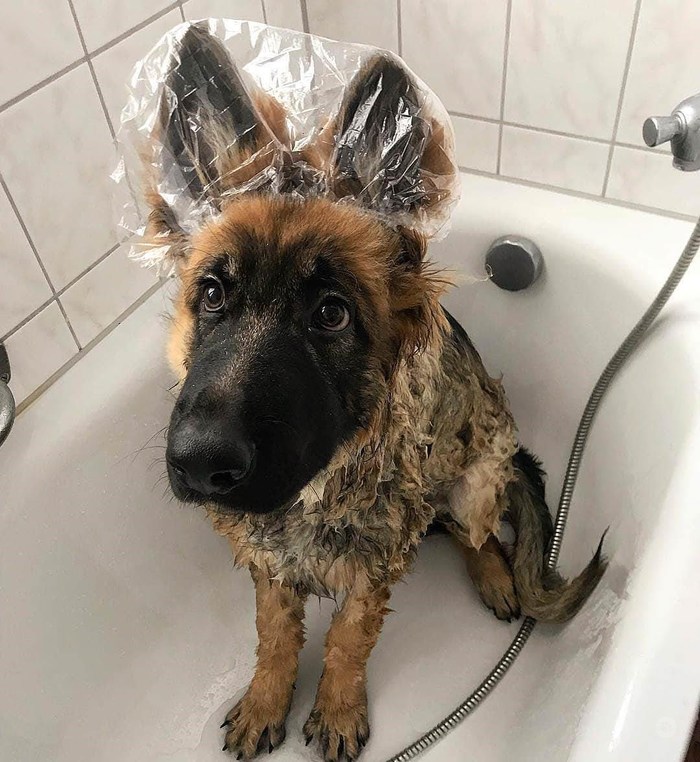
x=125 y=632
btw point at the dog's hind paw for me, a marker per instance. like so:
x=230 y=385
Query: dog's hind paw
x=498 y=594
x=492 y=577
x=253 y=727
x=340 y=734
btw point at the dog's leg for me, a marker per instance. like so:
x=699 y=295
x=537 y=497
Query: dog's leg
x=339 y=717
x=476 y=499
x=490 y=572
x=256 y=723
x=493 y=578
x=476 y=505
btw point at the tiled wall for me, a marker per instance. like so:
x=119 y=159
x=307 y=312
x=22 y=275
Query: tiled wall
x=65 y=280
x=550 y=92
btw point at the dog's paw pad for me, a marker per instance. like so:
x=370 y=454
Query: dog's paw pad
x=340 y=735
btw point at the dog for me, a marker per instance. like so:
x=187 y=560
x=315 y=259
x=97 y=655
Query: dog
x=330 y=410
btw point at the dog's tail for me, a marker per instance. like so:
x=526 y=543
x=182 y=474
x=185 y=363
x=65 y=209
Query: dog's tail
x=543 y=594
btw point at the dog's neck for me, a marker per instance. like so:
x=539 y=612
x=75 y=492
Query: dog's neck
x=360 y=465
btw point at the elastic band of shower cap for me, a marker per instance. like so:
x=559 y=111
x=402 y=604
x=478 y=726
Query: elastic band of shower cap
x=220 y=108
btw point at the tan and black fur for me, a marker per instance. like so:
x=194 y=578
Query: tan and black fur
x=413 y=430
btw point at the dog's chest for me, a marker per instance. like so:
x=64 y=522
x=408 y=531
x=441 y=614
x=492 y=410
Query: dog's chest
x=366 y=517
x=323 y=556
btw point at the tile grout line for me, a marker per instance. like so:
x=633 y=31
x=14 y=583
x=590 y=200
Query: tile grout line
x=264 y=10
x=130 y=32
x=88 y=269
x=398 y=27
x=101 y=98
x=644 y=148
x=90 y=55
x=489 y=119
x=32 y=245
x=87 y=348
x=25 y=320
x=581 y=194
x=61 y=291
x=558 y=133
x=304 y=16
x=182 y=10
x=41 y=84
x=89 y=58
x=91 y=67
x=504 y=75
x=68 y=323
x=620 y=101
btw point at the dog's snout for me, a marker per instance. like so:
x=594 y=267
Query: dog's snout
x=208 y=461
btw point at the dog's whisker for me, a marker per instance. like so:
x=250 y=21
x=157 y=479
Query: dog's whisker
x=146 y=446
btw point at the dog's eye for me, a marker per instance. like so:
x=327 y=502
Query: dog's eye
x=332 y=315
x=213 y=296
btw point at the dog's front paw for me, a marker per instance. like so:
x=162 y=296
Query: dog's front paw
x=341 y=733
x=255 y=724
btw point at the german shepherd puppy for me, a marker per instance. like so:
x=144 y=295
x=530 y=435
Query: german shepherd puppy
x=330 y=409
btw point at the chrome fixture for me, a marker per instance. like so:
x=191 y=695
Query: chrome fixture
x=682 y=128
x=514 y=262
x=7 y=401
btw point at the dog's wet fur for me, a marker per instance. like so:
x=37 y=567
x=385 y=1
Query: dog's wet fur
x=330 y=410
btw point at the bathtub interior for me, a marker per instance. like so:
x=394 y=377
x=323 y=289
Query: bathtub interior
x=126 y=633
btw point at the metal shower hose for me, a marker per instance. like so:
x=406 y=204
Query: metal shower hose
x=617 y=361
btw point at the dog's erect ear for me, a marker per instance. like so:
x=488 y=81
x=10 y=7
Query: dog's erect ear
x=387 y=149
x=384 y=147
x=212 y=136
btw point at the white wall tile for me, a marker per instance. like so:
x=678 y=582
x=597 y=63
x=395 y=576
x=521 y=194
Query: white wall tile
x=566 y=62
x=564 y=162
x=104 y=293
x=284 y=13
x=103 y=20
x=371 y=22
x=476 y=143
x=38 y=39
x=38 y=349
x=457 y=48
x=649 y=178
x=242 y=10
x=664 y=67
x=23 y=286
x=114 y=65
x=56 y=155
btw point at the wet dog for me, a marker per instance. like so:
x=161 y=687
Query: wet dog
x=330 y=410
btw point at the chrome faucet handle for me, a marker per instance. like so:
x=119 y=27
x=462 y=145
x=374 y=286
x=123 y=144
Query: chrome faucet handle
x=660 y=129
x=7 y=401
x=682 y=128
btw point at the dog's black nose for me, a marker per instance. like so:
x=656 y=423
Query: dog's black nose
x=207 y=461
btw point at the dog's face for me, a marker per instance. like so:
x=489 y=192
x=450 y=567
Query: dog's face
x=285 y=328
x=292 y=316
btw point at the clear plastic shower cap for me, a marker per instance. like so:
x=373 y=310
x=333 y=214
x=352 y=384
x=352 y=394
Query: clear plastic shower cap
x=220 y=108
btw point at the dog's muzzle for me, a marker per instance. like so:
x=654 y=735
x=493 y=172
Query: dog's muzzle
x=207 y=460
